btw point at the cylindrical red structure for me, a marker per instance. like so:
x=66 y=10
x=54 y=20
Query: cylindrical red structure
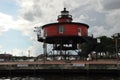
x=65 y=29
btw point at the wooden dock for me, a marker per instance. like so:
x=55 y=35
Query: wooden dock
x=68 y=67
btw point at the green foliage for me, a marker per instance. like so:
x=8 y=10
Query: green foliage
x=107 y=44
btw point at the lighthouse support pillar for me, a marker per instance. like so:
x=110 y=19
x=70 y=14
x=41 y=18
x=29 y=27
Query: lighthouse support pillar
x=45 y=51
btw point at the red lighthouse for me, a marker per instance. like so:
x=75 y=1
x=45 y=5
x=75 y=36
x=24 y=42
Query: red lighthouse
x=64 y=36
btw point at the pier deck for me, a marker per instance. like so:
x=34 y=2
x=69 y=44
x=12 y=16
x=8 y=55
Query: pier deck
x=28 y=67
x=62 y=62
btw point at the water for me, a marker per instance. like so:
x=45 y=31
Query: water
x=63 y=77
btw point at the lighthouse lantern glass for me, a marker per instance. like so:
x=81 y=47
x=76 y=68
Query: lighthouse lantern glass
x=64 y=13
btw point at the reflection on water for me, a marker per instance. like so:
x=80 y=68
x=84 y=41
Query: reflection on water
x=63 y=77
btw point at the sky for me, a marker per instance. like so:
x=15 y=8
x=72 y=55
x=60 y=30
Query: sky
x=19 y=17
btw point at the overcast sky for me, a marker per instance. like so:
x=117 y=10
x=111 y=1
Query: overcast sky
x=19 y=17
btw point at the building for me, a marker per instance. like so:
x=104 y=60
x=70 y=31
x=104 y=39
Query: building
x=64 y=36
x=5 y=57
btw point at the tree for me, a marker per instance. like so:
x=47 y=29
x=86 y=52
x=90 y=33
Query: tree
x=106 y=45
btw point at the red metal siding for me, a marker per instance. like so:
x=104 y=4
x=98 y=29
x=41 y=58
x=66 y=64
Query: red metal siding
x=51 y=30
x=70 y=30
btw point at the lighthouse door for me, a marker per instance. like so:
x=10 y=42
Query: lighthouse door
x=79 y=32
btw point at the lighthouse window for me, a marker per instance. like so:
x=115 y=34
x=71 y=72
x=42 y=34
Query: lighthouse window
x=67 y=20
x=79 y=32
x=61 y=29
